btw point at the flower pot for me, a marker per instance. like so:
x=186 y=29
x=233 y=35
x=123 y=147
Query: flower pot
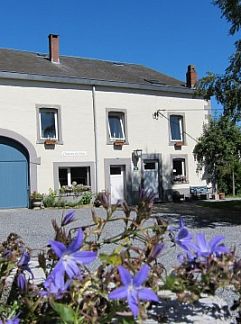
x=221 y=195
x=36 y=203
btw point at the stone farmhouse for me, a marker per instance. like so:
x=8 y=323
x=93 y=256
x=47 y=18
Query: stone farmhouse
x=109 y=125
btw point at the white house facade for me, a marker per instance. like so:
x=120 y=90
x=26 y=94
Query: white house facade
x=66 y=119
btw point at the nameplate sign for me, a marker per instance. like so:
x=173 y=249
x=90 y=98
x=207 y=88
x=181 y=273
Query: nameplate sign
x=74 y=154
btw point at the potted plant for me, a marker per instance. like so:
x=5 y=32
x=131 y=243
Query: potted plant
x=36 y=199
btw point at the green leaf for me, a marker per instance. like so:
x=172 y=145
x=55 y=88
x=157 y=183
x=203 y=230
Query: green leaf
x=113 y=259
x=65 y=312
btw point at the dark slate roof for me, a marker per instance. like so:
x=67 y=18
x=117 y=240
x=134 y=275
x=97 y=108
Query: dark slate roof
x=14 y=61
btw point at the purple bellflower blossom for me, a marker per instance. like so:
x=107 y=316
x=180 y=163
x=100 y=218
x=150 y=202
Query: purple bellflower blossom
x=203 y=248
x=55 y=285
x=23 y=265
x=68 y=218
x=22 y=281
x=172 y=228
x=155 y=251
x=70 y=257
x=14 y=320
x=132 y=289
x=183 y=237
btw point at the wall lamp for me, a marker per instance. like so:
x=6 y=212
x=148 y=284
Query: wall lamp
x=136 y=155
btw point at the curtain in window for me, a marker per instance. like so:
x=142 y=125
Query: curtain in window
x=116 y=127
x=48 y=129
x=176 y=127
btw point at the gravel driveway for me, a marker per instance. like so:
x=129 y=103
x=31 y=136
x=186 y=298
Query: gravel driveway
x=34 y=226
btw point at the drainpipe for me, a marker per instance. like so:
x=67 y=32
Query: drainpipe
x=95 y=136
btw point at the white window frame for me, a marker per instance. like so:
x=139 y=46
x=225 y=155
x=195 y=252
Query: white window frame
x=121 y=117
x=180 y=178
x=55 y=112
x=57 y=119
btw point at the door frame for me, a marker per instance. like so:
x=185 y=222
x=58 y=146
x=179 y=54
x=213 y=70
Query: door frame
x=127 y=175
x=34 y=160
x=155 y=157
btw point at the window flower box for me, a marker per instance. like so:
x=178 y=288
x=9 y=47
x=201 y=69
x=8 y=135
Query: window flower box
x=50 y=141
x=119 y=143
x=179 y=179
x=178 y=144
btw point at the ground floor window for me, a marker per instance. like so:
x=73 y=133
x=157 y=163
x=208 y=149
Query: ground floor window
x=79 y=175
x=179 y=170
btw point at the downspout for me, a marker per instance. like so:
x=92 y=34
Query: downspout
x=95 y=136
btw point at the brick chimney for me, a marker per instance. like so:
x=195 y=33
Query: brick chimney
x=54 y=48
x=191 y=76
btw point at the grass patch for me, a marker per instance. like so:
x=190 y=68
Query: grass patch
x=231 y=205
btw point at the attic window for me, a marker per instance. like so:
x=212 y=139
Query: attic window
x=154 y=81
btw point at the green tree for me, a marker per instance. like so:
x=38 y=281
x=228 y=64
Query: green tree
x=226 y=88
x=218 y=153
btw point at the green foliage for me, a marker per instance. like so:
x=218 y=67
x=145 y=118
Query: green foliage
x=218 y=151
x=86 y=198
x=231 y=10
x=49 y=200
x=36 y=195
x=226 y=87
x=65 y=312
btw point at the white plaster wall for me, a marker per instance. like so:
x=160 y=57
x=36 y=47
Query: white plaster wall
x=148 y=134
x=18 y=113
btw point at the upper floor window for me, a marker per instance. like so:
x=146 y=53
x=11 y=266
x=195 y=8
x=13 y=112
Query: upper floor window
x=116 y=126
x=48 y=120
x=176 y=125
x=49 y=123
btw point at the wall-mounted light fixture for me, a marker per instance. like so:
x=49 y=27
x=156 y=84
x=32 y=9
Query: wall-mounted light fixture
x=136 y=155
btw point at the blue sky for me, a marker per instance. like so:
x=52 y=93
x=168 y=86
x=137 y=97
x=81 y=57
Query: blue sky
x=166 y=35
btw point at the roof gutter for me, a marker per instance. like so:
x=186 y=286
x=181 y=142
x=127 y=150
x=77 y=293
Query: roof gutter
x=93 y=82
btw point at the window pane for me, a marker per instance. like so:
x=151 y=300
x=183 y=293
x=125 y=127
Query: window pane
x=48 y=127
x=179 y=167
x=116 y=127
x=176 y=128
x=80 y=175
x=63 y=180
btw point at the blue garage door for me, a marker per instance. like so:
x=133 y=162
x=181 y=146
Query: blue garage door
x=13 y=174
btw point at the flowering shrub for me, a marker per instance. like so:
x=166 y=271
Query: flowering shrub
x=85 y=284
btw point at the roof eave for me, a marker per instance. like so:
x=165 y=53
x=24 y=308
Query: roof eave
x=93 y=82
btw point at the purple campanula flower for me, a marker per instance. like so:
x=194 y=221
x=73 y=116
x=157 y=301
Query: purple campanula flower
x=155 y=251
x=70 y=257
x=68 y=218
x=14 y=320
x=22 y=281
x=23 y=266
x=23 y=263
x=55 y=285
x=181 y=225
x=203 y=248
x=132 y=289
x=184 y=239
